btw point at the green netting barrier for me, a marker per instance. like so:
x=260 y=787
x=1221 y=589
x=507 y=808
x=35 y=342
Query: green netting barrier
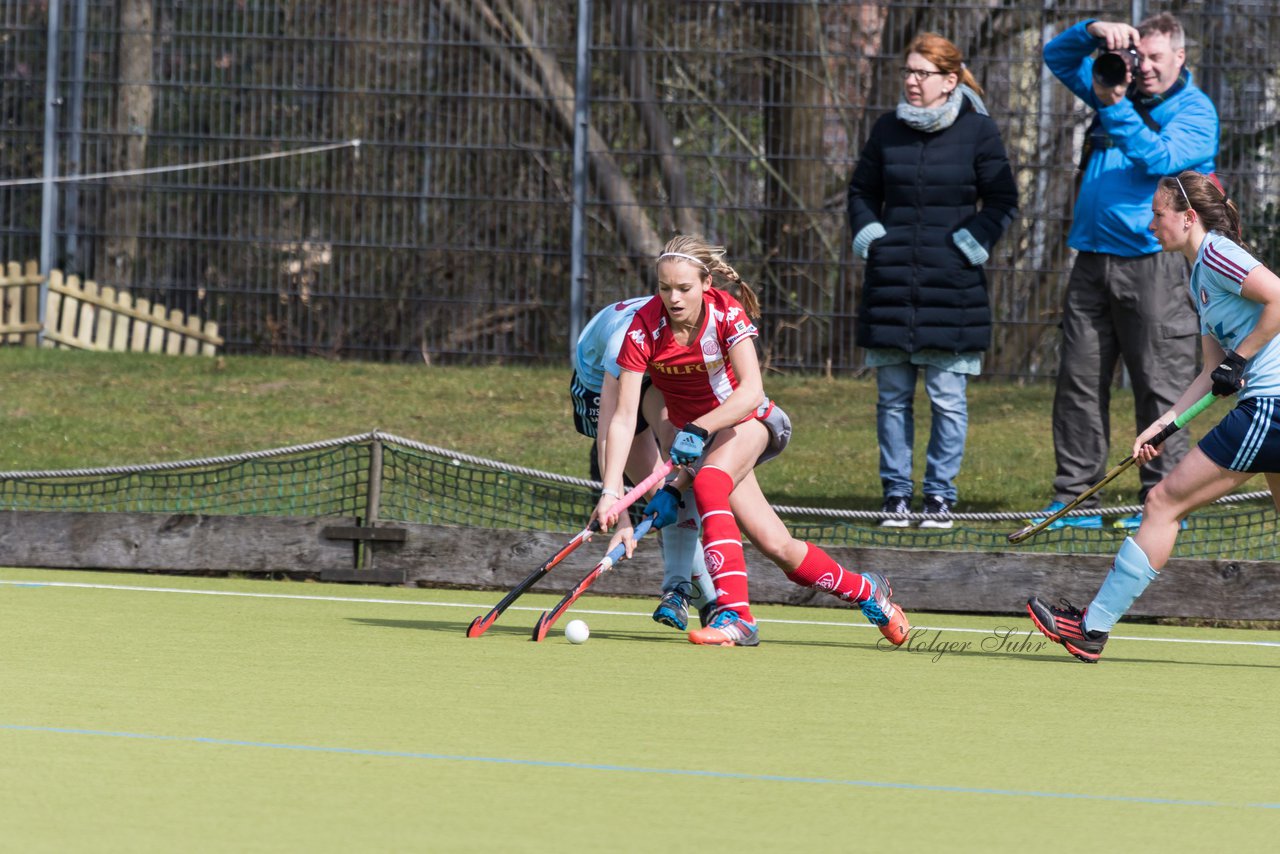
x=424 y=487
x=1237 y=531
x=417 y=483
x=328 y=482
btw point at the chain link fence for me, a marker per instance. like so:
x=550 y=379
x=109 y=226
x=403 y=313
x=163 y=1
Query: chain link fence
x=445 y=236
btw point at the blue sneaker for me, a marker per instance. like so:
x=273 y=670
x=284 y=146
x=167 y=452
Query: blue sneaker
x=881 y=612
x=673 y=609
x=1092 y=522
x=1132 y=523
x=727 y=629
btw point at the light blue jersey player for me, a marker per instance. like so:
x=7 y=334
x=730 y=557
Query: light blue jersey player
x=594 y=392
x=1238 y=299
x=1230 y=317
x=599 y=343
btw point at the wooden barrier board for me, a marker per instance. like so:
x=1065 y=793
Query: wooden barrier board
x=496 y=560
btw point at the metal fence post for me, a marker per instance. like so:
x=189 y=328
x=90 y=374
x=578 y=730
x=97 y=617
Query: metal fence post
x=75 y=119
x=373 y=498
x=581 y=108
x=48 y=196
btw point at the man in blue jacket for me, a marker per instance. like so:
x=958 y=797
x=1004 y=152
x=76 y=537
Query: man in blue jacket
x=1125 y=298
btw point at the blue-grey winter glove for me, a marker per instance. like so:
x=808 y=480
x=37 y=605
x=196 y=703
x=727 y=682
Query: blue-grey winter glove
x=862 y=241
x=972 y=249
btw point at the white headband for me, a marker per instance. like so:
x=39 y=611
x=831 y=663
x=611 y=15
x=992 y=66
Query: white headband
x=682 y=255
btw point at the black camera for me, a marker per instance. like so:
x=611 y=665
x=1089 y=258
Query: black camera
x=1110 y=69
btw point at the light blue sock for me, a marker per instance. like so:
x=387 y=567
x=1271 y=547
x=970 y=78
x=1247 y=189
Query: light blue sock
x=1129 y=576
x=704 y=589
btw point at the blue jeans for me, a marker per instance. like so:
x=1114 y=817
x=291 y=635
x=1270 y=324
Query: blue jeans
x=895 y=428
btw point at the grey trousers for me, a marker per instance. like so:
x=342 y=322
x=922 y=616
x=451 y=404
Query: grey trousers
x=1139 y=310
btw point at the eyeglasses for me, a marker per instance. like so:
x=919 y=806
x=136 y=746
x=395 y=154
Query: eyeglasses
x=919 y=74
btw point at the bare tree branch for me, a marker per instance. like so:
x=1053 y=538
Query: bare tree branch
x=628 y=28
x=551 y=86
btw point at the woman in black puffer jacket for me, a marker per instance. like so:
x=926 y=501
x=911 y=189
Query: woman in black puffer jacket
x=931 y=194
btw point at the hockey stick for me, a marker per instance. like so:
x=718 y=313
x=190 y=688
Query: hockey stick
x=616 y=554
x=481 y=624
x=1155 y=441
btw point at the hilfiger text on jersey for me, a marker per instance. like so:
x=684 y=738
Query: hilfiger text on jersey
x=699 y=368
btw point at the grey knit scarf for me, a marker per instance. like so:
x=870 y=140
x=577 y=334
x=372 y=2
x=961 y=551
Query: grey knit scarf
x=934 y=119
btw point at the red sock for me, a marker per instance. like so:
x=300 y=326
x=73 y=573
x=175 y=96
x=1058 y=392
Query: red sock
x=722 y=542
x=819 y=570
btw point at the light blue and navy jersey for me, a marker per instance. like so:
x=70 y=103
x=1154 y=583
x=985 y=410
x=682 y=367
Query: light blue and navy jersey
x=600 y=341
x=1221 y=266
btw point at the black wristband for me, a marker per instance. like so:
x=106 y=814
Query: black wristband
x=1231 y=357
x=696 y=430
x=670 y=488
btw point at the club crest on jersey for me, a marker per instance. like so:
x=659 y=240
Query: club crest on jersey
x=1204 y=297
x=710 y=348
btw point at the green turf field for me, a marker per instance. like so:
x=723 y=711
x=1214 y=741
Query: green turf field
x=140 y=713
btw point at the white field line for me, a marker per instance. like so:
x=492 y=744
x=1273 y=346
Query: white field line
x=473 y=606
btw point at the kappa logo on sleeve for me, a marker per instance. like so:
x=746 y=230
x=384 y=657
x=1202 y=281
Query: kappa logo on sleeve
x=637 y=338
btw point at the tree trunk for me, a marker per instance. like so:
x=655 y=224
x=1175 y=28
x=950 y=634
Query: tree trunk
x=628 y=26
x=795 y=293
x=134 y=105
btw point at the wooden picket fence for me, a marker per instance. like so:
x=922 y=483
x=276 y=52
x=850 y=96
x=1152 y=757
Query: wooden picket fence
x=81 y=316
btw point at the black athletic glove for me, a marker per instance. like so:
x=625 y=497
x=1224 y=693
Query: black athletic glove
x=1228 y=378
